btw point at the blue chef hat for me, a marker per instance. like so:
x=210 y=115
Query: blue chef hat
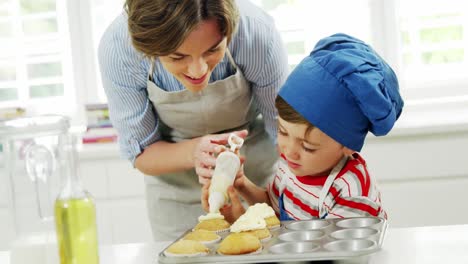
x=345 y=89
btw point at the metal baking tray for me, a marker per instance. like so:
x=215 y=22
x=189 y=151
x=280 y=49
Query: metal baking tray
x=306 y=240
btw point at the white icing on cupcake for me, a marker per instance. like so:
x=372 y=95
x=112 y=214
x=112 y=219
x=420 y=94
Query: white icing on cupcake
x=262 y=210
x=210 y=216
x=248 y=222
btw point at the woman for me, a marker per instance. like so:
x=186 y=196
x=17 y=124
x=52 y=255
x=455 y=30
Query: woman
x=180 y=75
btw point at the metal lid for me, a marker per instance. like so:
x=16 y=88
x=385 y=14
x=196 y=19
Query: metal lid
x=34 y=126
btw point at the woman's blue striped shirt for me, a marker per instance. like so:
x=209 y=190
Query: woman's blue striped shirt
x=256 y=47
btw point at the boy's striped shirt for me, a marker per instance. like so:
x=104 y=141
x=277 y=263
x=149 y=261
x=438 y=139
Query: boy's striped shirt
x=353 y=192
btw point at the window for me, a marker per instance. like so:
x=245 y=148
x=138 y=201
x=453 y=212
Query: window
x=304 y=22
x=424 y=41
x=103 y=14
x=35 y=69
x=54 y=65
x=434 y=47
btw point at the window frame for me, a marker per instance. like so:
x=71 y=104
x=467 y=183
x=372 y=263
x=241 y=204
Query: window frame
x=385 y=35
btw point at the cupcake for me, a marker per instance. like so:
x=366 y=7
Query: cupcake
x=266 y=212
x=204 y=236
x=272 y=222
x=186 y=248
x=252 y=224
x=214 y=222
x=262 y=234
x=239 y=244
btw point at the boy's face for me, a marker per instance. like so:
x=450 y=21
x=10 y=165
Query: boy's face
x=314 y=154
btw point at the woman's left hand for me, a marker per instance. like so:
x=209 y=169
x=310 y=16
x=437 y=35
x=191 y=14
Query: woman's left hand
x=230 y=211
x=204 y=153
x=204 y=196
x=234 y=209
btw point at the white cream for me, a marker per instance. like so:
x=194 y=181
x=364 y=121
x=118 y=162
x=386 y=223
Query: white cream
x=248 y=222
x=262 y=210
x=210 y=216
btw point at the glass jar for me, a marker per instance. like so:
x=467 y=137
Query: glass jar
x=40 y=169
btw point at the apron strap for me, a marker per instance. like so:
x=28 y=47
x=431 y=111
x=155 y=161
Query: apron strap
x=231 y=60
x=328 y=183
x=151 y=69
x=283 y=214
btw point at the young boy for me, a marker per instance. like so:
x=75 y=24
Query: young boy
x=342 y=90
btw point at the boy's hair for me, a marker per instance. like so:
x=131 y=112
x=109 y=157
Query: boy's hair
x=288 y=114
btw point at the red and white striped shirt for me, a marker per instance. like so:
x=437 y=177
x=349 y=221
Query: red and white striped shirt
x=353 y=192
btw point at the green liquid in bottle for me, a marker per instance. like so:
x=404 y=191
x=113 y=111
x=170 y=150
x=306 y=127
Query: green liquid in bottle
x=76 y=231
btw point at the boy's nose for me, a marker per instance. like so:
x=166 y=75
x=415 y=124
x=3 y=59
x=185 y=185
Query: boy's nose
x=292 y=152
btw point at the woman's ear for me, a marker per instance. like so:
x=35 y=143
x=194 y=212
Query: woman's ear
x=348 y=152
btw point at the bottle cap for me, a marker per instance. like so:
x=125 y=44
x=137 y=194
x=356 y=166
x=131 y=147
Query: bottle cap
x=235 y=142
x=216 y=201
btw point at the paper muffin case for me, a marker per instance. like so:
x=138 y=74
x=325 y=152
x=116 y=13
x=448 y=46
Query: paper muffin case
x=265 y=239
x=204 y=242
x=212 y=242
x=258 y=251
x=218 y=232
x=274 y=227
x=222 y=231
x=199 y=254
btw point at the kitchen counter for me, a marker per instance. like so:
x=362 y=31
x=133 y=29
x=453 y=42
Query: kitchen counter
x=432 y=244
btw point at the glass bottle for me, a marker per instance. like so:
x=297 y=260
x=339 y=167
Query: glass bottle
x=75 y=215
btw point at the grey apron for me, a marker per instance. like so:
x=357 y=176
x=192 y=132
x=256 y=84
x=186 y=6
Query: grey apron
x=173 y=200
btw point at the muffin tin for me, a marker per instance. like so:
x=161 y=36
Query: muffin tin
x=316 y=239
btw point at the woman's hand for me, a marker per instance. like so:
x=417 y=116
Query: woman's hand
x=241 y=179
x=238 y=183
x=204 y=196
x=230 y=211
x=234 y=209
x=204 y=153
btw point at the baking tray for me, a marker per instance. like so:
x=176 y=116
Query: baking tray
x=306 y=240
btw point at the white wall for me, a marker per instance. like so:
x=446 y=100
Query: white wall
x=423 y=177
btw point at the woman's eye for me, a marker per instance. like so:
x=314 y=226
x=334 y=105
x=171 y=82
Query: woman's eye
x=213 y=50
x=282 y=133
x=176 y=58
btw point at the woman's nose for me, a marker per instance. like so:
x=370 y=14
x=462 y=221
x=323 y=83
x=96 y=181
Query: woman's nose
x=197 y=68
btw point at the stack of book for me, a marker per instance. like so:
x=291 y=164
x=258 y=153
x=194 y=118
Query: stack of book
x=12 y=113
x=99 y=128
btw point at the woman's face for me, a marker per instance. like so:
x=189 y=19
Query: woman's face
x=193 y=62
x=314 y=154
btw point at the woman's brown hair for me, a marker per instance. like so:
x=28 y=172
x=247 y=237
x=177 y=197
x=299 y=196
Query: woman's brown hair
x=158 y=27
x=288 y=114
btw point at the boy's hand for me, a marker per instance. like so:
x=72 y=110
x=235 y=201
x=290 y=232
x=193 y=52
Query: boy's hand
x=230 y=211
x=235 y=209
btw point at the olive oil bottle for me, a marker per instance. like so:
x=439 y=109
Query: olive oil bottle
x=75 y=216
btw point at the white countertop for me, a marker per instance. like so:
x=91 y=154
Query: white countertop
x=433 y=244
